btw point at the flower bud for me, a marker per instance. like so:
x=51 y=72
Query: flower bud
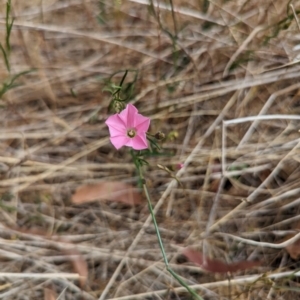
x=159 y=136
x=118 y=106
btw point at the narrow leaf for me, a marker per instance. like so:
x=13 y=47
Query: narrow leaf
x=5 y=57
x=79 y=265
x=49 y=294
x=217 y=266
x=110 y=190
x=293 y=249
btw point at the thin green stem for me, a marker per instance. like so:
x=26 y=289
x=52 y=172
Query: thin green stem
x=9 y=25
x=161 y=246
x=174 y=19
x=177 y=277
x=123 y=78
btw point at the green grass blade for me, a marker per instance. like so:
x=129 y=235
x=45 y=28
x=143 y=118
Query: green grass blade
x=5 y=56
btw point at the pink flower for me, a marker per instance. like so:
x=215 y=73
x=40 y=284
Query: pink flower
x=180 y=166
x=128 y=128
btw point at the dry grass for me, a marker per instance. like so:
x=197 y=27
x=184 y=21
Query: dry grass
x=202 y=69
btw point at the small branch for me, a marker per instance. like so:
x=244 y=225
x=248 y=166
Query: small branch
x=264 y=244
x=295 y=15
x=40 y=275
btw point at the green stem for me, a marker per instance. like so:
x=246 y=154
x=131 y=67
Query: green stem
x=161 y=246
x=123 y=78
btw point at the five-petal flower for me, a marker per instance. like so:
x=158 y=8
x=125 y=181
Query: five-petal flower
x=128 y=128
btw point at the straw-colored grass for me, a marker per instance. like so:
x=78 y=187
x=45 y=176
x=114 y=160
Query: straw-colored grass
x=220 y=79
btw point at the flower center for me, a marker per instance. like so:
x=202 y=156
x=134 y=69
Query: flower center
x=131 y=133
